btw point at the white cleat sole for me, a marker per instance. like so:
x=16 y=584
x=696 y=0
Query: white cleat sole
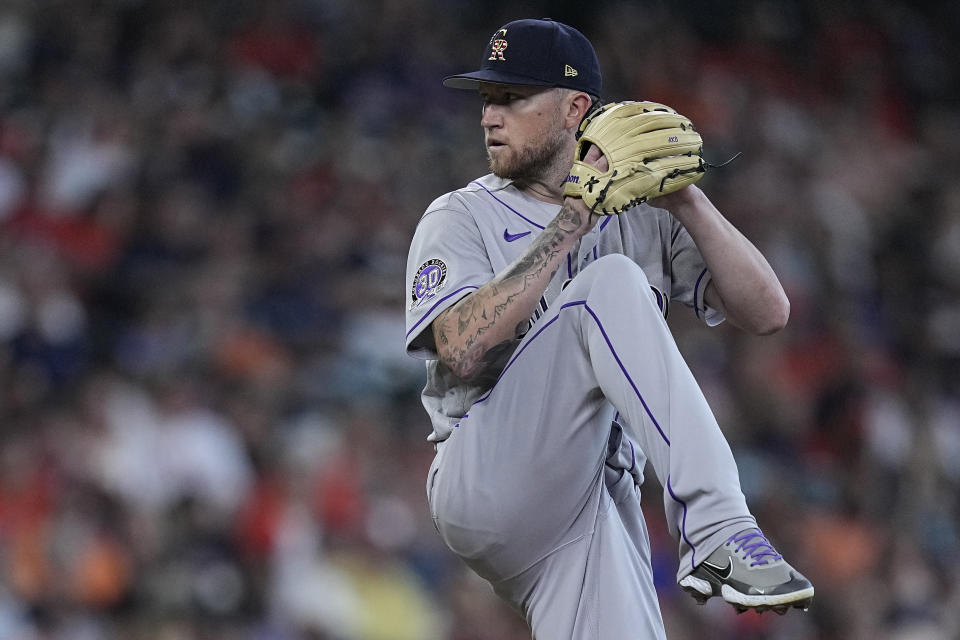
x=702 y=590
x=733 y=596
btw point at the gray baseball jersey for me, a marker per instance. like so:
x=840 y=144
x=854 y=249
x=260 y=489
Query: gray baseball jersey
x=531 y=485
x=466 y=237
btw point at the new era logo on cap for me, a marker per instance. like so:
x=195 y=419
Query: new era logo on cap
x=541 y=53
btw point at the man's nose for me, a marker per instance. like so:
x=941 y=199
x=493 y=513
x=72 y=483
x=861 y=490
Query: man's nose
x=491 y=116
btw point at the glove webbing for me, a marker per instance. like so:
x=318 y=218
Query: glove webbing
x=632 y=203
x=703 y=166
x=679 y=172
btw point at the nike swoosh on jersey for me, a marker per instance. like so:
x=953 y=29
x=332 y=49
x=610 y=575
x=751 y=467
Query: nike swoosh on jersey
x=510 y=237
x=720 y=571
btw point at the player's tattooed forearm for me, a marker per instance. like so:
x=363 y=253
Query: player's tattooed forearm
x=476 y=315
x=569 y=219
x=481 y=310
x=469 y=312
x=479 y=365
x=468 y=352
x=540 y=257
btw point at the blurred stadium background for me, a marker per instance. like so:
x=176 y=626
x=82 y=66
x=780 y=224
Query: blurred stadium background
x=208 y=428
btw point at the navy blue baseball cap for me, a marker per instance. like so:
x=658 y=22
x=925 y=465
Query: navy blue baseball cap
x=543 y=53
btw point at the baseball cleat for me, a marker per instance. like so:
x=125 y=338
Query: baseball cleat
x=747 y=572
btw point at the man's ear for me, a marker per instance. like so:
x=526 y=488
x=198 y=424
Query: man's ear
x=578 y=104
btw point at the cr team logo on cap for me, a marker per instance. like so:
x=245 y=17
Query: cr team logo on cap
x=541 y=53
x=497 y=45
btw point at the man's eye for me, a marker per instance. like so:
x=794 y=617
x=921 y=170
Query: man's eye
x=501 y=99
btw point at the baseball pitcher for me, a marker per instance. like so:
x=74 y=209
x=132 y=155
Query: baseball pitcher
x=537 y=296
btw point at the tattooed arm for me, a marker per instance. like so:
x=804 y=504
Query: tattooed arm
x=473 y=335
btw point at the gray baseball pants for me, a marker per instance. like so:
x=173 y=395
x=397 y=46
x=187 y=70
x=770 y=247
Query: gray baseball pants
x=539 y=494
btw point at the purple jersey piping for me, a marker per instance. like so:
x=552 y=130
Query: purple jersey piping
x=616 y=357
x=683 y=525
x=676 y=232
x=696 y=288
x=538 y=226
x=438 y=302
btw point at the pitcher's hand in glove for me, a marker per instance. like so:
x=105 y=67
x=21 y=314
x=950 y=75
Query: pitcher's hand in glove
x=650 y=150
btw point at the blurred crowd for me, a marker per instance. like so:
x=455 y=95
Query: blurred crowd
x=208 y=426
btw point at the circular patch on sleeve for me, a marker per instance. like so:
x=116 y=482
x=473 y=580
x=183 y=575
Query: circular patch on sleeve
x=430 y=278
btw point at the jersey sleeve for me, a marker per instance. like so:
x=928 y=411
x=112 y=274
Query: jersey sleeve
x=447 y=261
x=690 y=276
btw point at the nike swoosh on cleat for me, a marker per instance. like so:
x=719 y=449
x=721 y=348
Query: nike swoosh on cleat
x=719 y=571
x=510 y=237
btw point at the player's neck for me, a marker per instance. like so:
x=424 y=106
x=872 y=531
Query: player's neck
x=549 y=186
x=542 y=191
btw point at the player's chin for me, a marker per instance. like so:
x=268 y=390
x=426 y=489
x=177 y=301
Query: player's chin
x=504 y=163
x=498 y=166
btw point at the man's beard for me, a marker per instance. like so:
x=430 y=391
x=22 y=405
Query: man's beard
x=531 y=163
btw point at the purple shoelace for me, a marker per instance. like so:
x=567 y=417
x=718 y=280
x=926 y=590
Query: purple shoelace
x=760 y=550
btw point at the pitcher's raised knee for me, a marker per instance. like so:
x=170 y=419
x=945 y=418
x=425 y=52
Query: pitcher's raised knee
x=615 y=271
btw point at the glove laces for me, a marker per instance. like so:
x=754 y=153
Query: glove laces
x=755 y=546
